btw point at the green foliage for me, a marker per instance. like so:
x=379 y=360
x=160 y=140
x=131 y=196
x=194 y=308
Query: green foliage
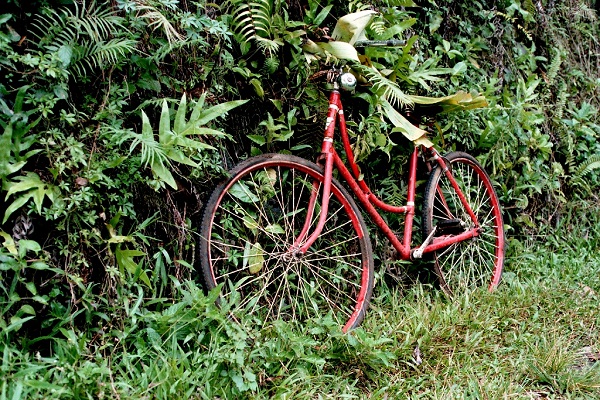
x=266 y=23
x=16 y=138
x=175 y=144
x=531 y=81
x=81 y=40
x=99 y=205
x=275 y=130
x=28 y=187
x=536 y=334
x=70 y=183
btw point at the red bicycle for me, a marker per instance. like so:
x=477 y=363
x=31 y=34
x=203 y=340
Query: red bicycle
x=290 y=240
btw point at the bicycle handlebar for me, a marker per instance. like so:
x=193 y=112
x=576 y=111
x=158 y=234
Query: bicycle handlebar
x=380 y=43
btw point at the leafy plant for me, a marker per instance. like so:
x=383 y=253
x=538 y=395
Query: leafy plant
x=264 y=22
x=176 y=144
x=78 y=40
x=29 y=187
x=16 y=140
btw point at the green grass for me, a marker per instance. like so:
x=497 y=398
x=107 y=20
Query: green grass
x=536 y=337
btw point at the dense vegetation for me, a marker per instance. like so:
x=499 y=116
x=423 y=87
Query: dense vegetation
x=117 y=118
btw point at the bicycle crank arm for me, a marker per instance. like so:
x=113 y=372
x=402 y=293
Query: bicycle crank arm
x=432 y=243
x=418 y=253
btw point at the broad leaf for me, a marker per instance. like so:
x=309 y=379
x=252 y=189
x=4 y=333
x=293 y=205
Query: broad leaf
x=194 y=144
x=216 y=111
x=413 y=133
x=241 y=192
x=351 y=28
x=9 y=243
x=179 y=124
x=164 y=126
x=34 y=189
x=161 y=172
x=177 y=155
x=125 y=261
x=253 y=257
x=274 y=228
x=457 y=102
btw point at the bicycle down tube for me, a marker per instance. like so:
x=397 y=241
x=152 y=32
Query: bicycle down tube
x=329 y=157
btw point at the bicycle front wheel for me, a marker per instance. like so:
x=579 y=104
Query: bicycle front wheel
x=478 y=261
x=249 y=226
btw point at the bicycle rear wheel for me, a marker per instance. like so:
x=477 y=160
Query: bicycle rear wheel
x=251 y=222
x=478 y=261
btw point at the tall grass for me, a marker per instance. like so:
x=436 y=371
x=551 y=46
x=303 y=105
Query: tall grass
x=536 y=337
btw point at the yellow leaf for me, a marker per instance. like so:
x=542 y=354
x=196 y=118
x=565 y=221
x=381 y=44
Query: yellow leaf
x=455 y=102
x=413 y=133
x=351 y=28
x=253 y=257
x=9 y=243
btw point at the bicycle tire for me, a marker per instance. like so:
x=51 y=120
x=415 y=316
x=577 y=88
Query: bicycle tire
x=478 y=261
x=250 y=222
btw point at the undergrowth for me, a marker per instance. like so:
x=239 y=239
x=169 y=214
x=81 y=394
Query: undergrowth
x=101 y=198
x=536 y=336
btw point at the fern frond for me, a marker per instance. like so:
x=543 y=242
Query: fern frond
x=555 y=65
x=584 y=12
x=268 y=46
x=398 y=3
x=253 y=19
x=47 y=27
x=65 y=26
x=592 y=163
x=561 y=100
x=243 y=25
x=384 y=87
x=97 y=22
x=261 y=16
x=271 y=65
x=378 y=27
x=529 y=6
x=157 y=20
x=97 y=55
x=85 y=37
x=356 y=6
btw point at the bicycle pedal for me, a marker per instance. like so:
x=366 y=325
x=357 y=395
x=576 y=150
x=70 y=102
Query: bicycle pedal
x=450 y=227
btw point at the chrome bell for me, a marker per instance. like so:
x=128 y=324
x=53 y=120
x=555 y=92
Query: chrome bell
x=347 y=82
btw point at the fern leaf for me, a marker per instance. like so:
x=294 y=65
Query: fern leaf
x=589 y=165
x=85 y=38
x=378 y=27
x=243 y=23
x=157 y=20
x=561 y=100
x=253 y=21
x=97 y=55
x=384 y=87
x=555 y=65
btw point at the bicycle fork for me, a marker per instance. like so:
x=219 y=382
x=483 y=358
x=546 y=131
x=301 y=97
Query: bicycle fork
x=326 y=159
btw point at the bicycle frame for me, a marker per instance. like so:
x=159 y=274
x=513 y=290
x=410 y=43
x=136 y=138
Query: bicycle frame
x=329 y=159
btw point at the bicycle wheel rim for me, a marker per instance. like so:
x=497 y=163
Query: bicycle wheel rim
x=251 y=222
x=477 y=262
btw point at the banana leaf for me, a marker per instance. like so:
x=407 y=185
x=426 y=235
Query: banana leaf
x=338 y=50
x=351 y=28
x=456 y=102
x=402 y=125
